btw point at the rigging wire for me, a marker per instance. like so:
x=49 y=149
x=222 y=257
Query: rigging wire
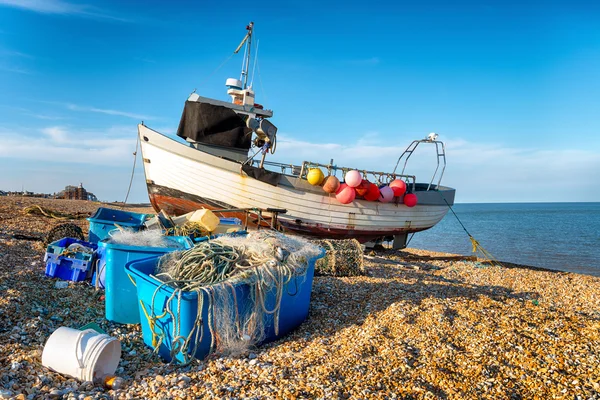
x=255 y=61
x=137 y=142
x=218 y=68
x=262 y=89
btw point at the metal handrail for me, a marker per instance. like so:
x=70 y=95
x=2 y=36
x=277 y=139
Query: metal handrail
x=380 y=177
x=413 y=146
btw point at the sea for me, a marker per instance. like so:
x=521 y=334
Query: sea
x=558 y=236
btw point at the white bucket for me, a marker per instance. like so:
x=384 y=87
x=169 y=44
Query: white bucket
x=85 y=355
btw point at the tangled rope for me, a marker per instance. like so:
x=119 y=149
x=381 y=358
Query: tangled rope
x=214 y=270
x=46 y=212
x=190 y=228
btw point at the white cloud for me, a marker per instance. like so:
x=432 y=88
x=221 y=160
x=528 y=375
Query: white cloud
x=59 y=144
x=56 y=133
x=10 y=53
x=75 y=107
x=61 y=7
x=481 y=172
x=366 y=61
x=16 y=70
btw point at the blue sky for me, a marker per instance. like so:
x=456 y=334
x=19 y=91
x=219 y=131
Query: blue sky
x=513 y=89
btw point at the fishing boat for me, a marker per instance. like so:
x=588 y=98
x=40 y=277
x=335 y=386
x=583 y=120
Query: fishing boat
x=222 y=166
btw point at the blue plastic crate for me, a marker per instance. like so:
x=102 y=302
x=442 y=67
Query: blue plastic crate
x=73 y=266
x=294 y=308
x=121 y=297
x=103 y=221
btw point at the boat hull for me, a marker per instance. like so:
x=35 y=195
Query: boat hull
x=182 y=179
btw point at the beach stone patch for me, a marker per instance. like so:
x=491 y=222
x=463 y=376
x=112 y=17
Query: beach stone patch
x=410 y=328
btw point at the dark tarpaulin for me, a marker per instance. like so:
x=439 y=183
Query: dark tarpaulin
x=211 y=124
x=263 y=175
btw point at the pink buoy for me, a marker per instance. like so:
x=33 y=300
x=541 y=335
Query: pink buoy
x=353 y=178
x=345 y=194
x=398 y=186
x=387 y=194
x=373 y=193
x=410 y=199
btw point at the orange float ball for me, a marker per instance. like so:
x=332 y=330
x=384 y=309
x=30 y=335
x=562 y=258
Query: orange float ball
x=410 y=199
x=398 y=186
x=331 y=184
x=345 y=194
x=363 y=188
x=373 y=193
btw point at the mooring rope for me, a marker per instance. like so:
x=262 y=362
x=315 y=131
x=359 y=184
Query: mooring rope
x=477 y=247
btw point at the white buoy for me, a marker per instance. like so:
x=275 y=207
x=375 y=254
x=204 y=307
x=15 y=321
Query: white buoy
x=86 y=355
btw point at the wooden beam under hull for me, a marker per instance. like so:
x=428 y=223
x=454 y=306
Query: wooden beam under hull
x=181 y=204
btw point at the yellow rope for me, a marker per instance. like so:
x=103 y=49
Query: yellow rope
x=486 y=254
x=38 y=210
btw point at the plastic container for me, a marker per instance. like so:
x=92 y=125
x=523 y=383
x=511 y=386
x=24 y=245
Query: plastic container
x=74 y=266
x=121 y=297
x=86 y=355
x=228 y=225
x=206 y=218
x=103 y=221
x=294 y=308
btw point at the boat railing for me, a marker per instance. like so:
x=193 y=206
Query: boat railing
x=286 y=169
x=300 y=171
x=441 y=157
x=377 y=177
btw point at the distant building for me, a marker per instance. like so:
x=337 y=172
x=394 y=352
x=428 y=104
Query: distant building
x=76 y=193
x=3 y=193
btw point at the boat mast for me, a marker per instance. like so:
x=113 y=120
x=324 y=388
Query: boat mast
x=246 y=61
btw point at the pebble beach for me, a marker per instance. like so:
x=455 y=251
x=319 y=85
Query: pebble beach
x=417 y=326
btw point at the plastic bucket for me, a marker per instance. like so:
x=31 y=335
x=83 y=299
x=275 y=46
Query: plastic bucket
x=86 y=355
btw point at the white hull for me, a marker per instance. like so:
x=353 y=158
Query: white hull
x=178 y=176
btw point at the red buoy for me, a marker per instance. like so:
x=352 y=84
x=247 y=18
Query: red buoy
x=410 y=199
x=398 y=186
x=373 y=193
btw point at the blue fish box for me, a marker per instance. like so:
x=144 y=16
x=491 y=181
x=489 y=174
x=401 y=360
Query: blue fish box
x=104 y=220
x=69 y=265
x=151 y=292
x=121 y=297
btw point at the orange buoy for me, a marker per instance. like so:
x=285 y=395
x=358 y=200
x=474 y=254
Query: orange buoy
x=387 y=194
x=372 y=193
x=398 y=186
x=331 y=184
x=410 y=199
x=363 y=188
x=345 y=194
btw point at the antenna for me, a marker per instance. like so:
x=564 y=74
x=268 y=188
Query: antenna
x=248 y=53
x=255 y=61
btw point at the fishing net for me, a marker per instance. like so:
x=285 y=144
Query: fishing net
x=190 y=228
x=146 y=238
x=262 y=262
x=342 y=258
x=63 y=230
